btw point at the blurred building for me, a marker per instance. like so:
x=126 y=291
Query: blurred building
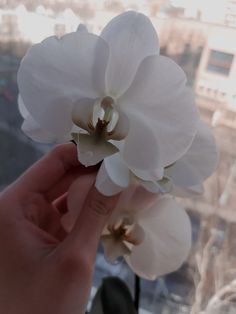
x=230 y=14
x=216 y=75
x=206 y=52
x=218 y=12
x=19 y=24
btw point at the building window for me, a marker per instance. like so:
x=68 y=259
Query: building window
x=220 y=62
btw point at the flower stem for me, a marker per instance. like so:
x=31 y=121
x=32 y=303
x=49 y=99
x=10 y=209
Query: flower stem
x=137 y=293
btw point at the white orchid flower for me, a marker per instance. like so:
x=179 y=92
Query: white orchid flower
x=112 y=93
x=154 y=241
x=152 y=232
x=182 y=178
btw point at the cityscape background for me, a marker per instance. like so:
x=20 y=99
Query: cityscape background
x=200 y=35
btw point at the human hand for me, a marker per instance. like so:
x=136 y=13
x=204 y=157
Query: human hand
x=42 y=268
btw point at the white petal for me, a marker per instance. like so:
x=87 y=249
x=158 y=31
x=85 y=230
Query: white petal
x=122 y=127
x=21 y=106
x=98 y=113
x=82 y=113
x=58 y=72
x=167 y=240
x=117 y=170
x=135 y=234
x=33 y=130
x=163 y=186
x=152 y=175
x=104 y=184
x=91 y=152
x=199 y=162
x=152 y=187
x=191 y=192
x=141 y=148
x=165 y=103
x=113 y=176
x=131 y=37
x=134 y=199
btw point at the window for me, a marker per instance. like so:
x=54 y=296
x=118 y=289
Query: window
x=220 y=62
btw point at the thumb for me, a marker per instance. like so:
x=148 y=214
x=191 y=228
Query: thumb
x=74 y=257
x=93 y=217
x=87 y=230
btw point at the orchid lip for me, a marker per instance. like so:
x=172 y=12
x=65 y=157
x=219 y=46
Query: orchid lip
x=121 y=236
x=123 y=231
x=102 y=121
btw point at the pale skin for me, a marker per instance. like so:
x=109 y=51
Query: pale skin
x=42 y=268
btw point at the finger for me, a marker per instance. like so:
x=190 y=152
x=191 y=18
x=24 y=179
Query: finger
x=94 y=215
x=51 y=217
x=61 y=204
x=83 y=239
x=62 y=186
x=43 y=175
x=45 y=217
x=76 y=197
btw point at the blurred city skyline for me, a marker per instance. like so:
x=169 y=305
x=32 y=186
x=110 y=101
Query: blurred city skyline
x=220 y=11
x=39 y=19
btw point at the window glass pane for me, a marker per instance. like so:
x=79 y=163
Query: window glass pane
x=186 y=32
x=220 y=62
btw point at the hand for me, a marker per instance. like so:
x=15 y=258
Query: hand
x=44 y=270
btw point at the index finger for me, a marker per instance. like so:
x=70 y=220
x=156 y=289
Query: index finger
x=45 y=173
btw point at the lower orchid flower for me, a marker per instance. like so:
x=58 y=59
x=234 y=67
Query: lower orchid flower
x=154 y=241
x=152 y=232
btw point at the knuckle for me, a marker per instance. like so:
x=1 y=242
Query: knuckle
x=99 y=204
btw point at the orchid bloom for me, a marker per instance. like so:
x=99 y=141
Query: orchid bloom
x=113 y=94
x=152 y=232
x=154 y=241
x=182 y=178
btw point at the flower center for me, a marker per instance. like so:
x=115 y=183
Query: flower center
x=99 y=119
x=106 y=104
x=104 y=118
x=126 y=230
x=120 y=237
